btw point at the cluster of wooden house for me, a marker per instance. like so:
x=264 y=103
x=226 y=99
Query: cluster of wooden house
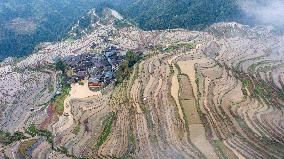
x=97 y=68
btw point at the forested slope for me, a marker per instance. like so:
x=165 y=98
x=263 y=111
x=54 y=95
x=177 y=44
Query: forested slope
x=26 y=23
x=165 y=14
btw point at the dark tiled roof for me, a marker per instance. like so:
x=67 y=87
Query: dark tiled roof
x=81 y=73
x=94 y=80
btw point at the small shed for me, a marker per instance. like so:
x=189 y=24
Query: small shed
x=94 y=83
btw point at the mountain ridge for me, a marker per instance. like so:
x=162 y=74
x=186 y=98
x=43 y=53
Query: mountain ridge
x=42 y=21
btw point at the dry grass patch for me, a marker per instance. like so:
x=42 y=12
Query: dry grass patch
x=185 y=92
x=187 y=101
x=190 y=111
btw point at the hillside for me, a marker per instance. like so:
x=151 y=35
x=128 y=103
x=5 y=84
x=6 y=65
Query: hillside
x=25 y=24
x=211 y=94
x=169 y=14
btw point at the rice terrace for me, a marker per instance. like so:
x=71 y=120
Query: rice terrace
x=114 y=91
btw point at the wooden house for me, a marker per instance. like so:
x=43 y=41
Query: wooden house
x=94 y=84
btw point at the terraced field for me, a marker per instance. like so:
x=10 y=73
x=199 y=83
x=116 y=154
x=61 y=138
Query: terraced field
x=213 y=94
x=184 y=104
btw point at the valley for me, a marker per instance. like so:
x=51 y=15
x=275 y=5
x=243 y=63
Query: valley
x=217 y=93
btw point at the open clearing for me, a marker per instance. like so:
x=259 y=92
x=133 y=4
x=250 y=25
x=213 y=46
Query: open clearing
x=77 y=92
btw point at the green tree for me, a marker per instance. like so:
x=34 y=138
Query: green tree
x=60 y=66
x=122 y=71
x=132 y=58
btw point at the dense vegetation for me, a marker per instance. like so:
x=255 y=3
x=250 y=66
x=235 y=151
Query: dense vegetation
x=61 y=66
x=124 y=68
x=7 y=138
x=107 y=129
x=24 y=24
x=33 y=131
x=58 y=102
x=165 y=14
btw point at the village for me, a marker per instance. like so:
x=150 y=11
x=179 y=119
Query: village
x=186 y=79
x=97 y=69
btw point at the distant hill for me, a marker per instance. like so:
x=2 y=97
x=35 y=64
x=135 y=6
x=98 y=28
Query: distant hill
x=25 y=23
x=166 y=14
